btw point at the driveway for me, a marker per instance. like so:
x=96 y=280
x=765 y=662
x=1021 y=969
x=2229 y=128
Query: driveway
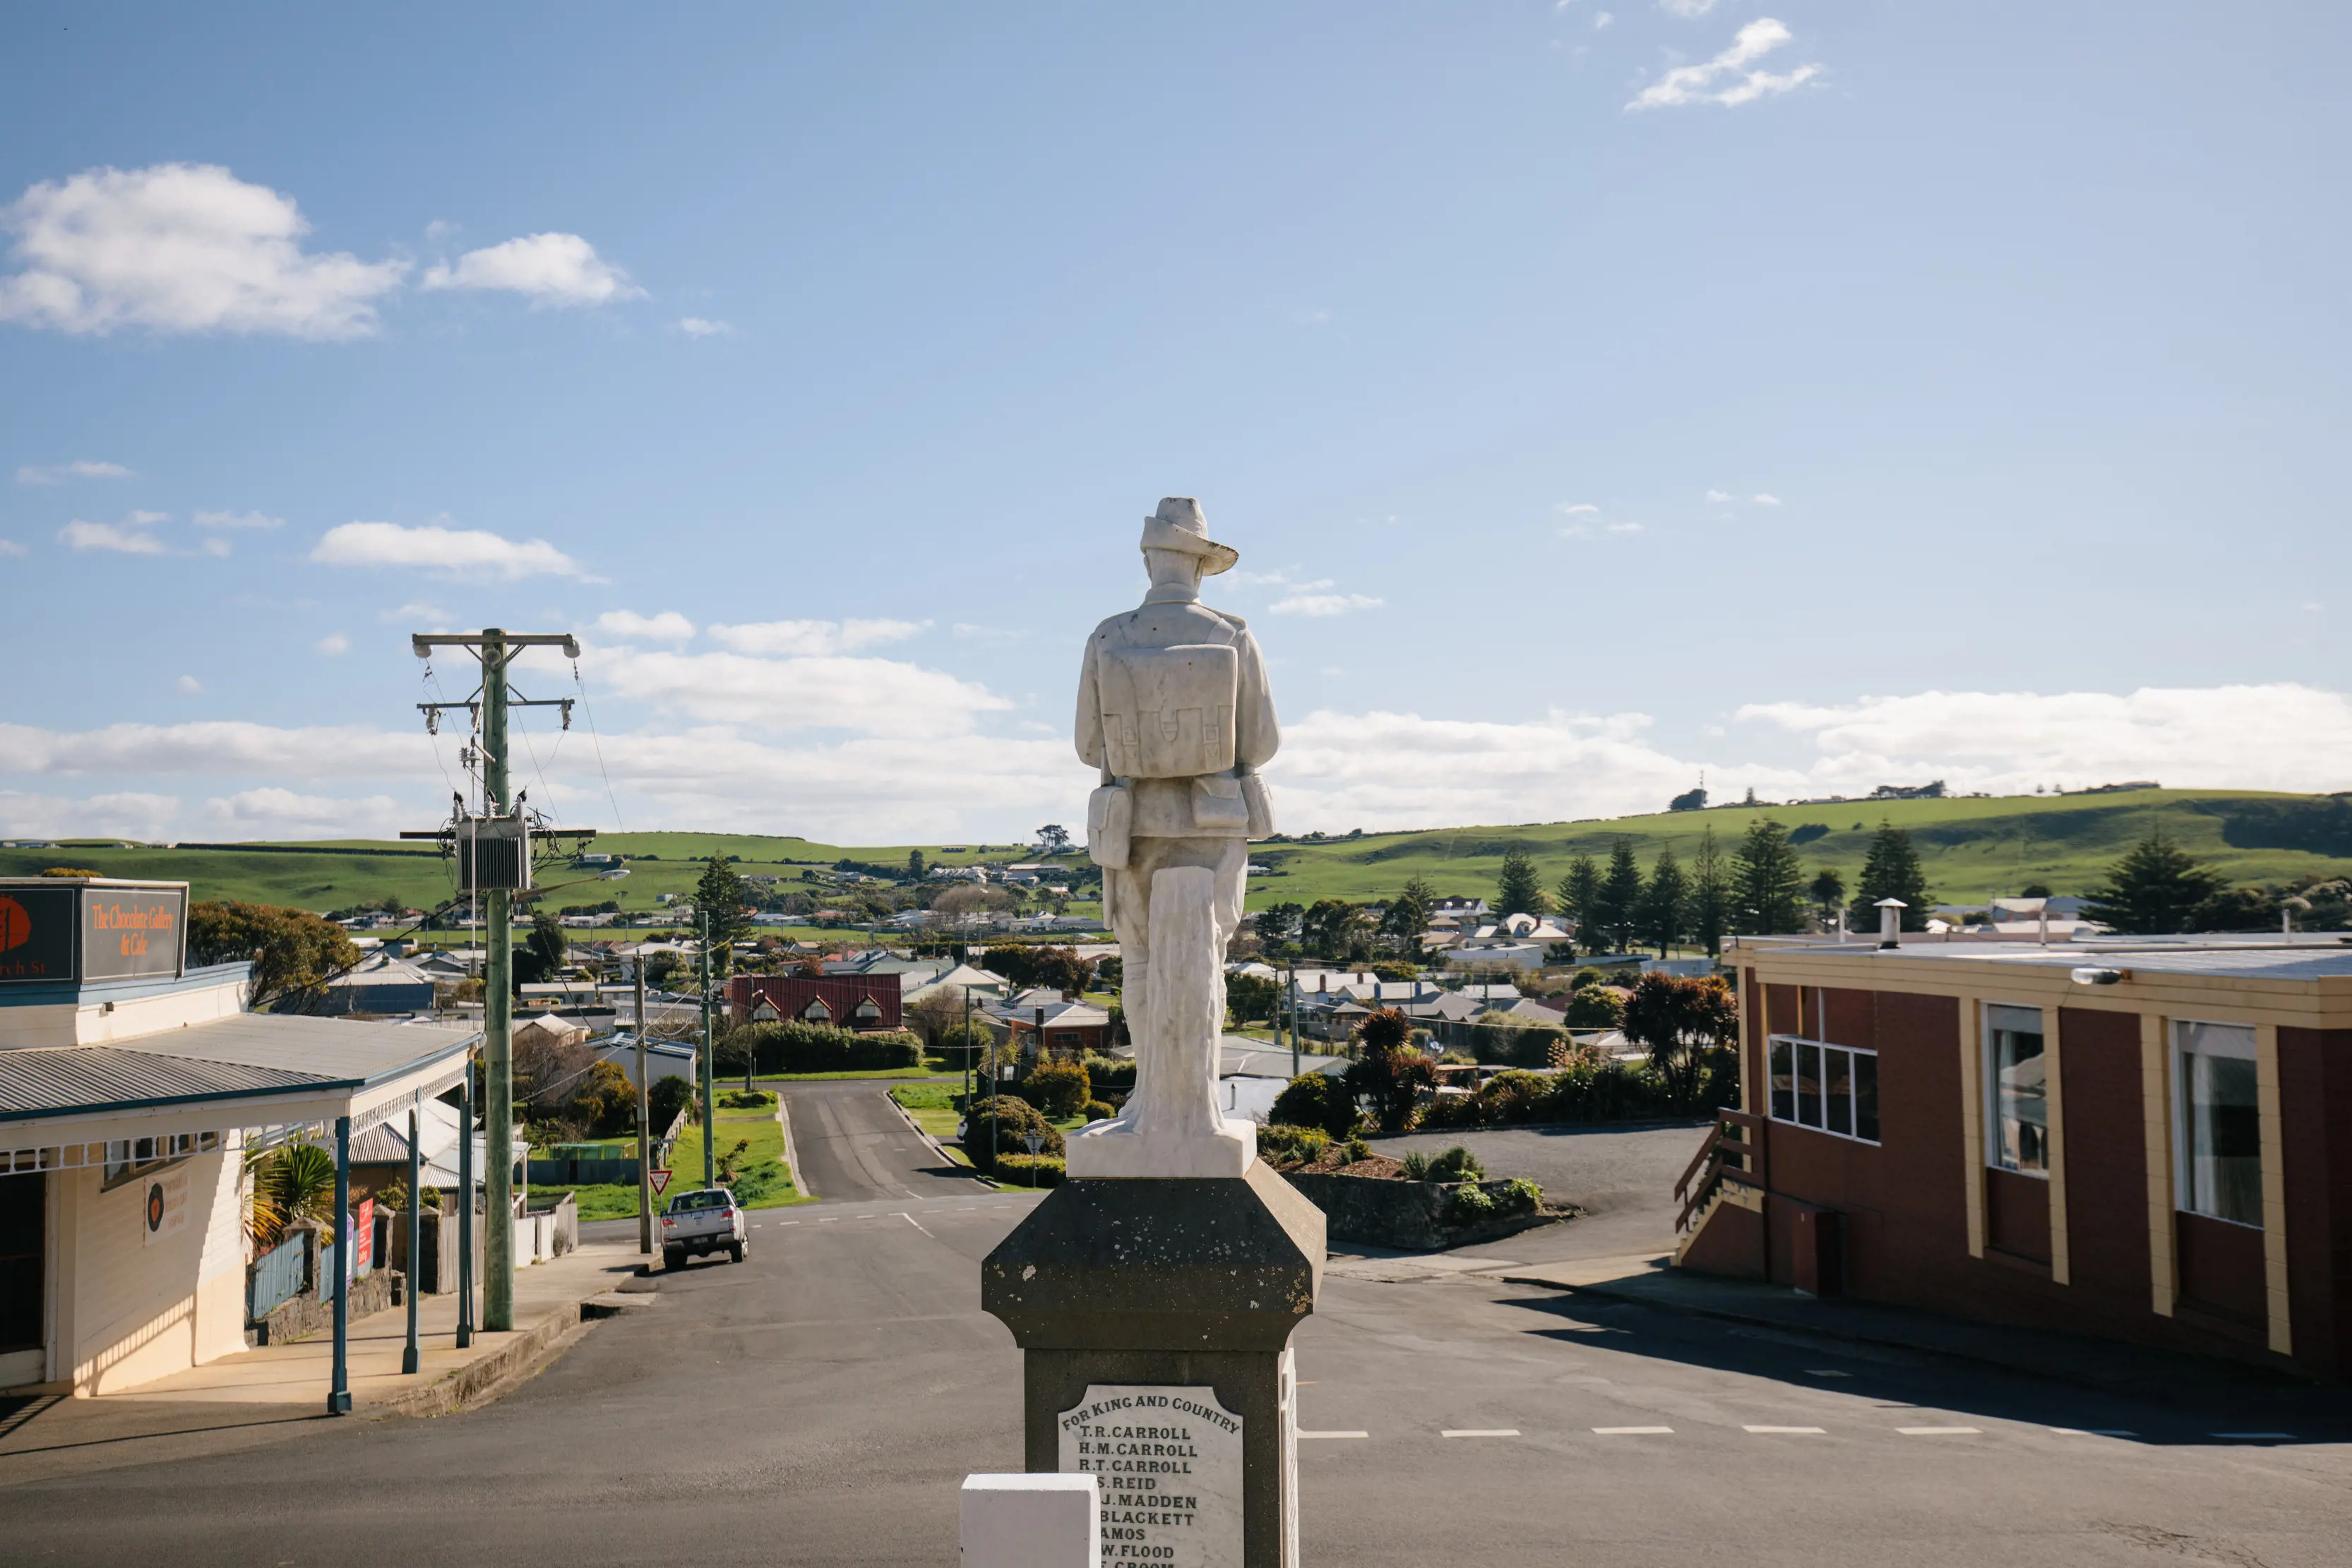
x=1622 y=1174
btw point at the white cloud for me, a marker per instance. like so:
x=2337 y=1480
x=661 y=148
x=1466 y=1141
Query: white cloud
x=1686 y=9
x=188 y=685
x=123 y=541
x=80 y=469
x=333 y=643
x=423 y=617
x=10 y=547
x=215 y=546
x=2283 y=736
x=1718 y=495
x=1324 y=605
x=126 y=815
x=551 y=268
x=972 y=632
x=1725 y=79
x=1600 y=21
x=180 y=247
x=931 y=772
x=1624 y=527
x=274 y=813
x=700 y=327
x=1580 y=509
x=813 y=638
x=237 y=520
x=148 y=519
x=1763 y=499
x=870 y=696
x=454 y=552
x=669 y=626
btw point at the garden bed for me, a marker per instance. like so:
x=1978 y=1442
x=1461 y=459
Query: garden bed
x=1419 y=1216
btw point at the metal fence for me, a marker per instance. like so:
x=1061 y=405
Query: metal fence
x=276 y=1278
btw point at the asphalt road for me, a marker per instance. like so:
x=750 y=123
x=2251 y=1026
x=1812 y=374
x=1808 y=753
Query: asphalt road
x=853 y=1145
x=820 y=1403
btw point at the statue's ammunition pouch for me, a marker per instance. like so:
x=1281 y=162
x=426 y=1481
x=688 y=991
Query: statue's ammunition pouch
x=1110 y=823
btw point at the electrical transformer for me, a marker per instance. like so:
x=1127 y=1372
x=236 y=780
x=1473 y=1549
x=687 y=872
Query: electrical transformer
x=493 y=852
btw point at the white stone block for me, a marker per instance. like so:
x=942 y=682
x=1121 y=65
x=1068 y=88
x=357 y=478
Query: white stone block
x=1052 y=1520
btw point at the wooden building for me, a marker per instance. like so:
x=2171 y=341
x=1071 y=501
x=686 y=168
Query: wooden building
x=2148 y=1140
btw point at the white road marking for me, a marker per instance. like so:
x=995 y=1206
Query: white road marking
x=1633 y=1431
x=2093 y=1432
x=2254 y=1437
x=1305 y=1436
x=1787 y=1431
x=1941 y=1431
x=829 y=1219
x=1479 y=1432
x=788 y=1222
x=914 y=1222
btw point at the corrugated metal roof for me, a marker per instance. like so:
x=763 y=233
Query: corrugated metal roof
x=247 y=1053
x=76 y=1077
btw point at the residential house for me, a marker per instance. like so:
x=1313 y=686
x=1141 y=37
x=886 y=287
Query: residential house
x=866 y=1003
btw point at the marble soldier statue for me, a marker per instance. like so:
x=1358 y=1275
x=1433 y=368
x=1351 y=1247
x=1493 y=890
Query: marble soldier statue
x=1175 y=712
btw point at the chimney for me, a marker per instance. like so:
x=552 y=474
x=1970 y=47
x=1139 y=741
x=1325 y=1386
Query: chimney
x=1890 y=922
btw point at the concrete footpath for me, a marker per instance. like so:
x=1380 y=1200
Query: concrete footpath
x=257 y=1395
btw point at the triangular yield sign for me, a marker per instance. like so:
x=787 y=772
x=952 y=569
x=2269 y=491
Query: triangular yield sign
x=661 y=1180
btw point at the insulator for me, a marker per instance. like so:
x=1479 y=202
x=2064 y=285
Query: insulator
x=432 y=721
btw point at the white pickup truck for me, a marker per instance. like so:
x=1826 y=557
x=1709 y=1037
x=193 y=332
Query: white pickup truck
x=702 y=1222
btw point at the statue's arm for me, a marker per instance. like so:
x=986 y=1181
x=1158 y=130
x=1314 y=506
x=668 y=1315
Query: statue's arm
x=1256 y=733
x=1089 y=726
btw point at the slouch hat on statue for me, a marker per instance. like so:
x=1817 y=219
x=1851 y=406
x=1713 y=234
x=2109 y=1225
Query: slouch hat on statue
x=1178 y=525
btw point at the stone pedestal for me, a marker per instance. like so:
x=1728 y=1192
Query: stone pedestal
x=1156 y=1316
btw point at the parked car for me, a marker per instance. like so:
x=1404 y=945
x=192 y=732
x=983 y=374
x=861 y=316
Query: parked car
x=702 y=1222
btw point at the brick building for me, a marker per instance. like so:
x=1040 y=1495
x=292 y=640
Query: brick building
x=2150 y=1141
x=866 y=1003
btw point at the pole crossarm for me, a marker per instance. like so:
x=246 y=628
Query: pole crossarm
x=423 y=643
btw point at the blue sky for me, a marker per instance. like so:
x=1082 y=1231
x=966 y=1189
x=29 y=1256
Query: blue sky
x=1820 y=395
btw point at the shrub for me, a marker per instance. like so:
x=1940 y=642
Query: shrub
x=667 y=1098
x=1284 y=1145
x=1595 y=1006
x=1416 y=1166
x=1391 y=1075
x=1355 y=1149
x=1095 y=1111
x=997 y=1129
x=1472 y=1203
x=796 y=1047
x=1057 y=1088
x=746 y=1099
x=1534 y=1047
x=1025 y=1170
x=1317 y=1100
x=1109 y=1074
x=1457 y=1164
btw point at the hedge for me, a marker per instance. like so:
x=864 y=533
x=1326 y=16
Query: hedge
x=1005 y=1122
x=1025 y=1170
x=1583 y=1091
x=796 y=1047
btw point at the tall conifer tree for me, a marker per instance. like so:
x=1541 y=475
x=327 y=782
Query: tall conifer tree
x=1768 y=881
x=1891 y=869
x=1663 y=902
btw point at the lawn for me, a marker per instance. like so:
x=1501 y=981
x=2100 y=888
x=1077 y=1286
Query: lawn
x=879 y=1072
x=761 y=1181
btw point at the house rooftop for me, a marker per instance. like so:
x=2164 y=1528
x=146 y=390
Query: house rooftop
x=2313 y=957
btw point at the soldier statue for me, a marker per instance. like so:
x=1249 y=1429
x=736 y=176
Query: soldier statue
x=1174 y=711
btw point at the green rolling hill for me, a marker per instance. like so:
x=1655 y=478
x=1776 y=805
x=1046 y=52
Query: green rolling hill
x=1973 y=849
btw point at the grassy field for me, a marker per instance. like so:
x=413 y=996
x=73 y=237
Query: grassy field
x=1973 y=849
x=763 y=1181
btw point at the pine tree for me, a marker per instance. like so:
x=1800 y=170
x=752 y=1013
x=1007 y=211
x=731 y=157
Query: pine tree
x=2153 y=889
x=1891 y=869
x=1767 y=880
x=719 y=893
x=1408 y=915
x=1580 y=900
x=1709 y=909
x=1521 y=890
x=1828 y=891
x=1620 y=896
x=1663 y=902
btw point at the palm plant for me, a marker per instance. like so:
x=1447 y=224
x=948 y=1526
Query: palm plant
x=290 y=1185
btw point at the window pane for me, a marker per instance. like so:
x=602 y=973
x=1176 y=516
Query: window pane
x=1784 y=1086
x=2223 y=1142
x=1808 y=1084
x=2020 y=1106
x=1865 y=1096
x=1840 y=1064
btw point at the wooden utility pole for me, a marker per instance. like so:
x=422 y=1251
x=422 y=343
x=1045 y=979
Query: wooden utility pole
x=709 y=1119
x=644 y=1126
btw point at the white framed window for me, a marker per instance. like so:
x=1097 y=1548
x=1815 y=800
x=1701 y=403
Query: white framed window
x=868 y=1011
x=2017 y=1091
x=816 y=1011
x=2217 y=1150
x=1830 y=1088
